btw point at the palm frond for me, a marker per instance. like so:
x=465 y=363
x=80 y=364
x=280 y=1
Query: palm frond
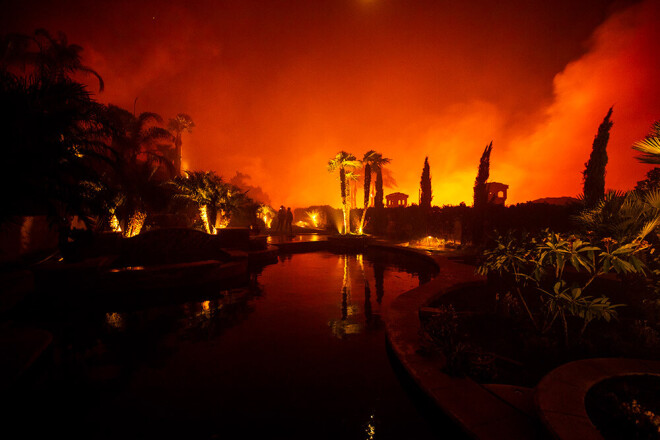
x=650 y=149
x=648 y=227
x=652 y=198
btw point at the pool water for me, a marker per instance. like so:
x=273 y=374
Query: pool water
x=299 y=352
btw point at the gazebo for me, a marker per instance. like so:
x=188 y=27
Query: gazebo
x=396 y=199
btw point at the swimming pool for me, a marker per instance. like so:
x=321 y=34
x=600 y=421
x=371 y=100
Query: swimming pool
x=299 y=352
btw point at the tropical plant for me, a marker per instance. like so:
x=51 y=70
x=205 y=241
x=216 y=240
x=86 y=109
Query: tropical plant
x=215 y=199
x=649 y=146
x=52 y=137
x=367 y=160
x=623 y=216
x=344 y=162
x=594 y=172
x=651 y=182
x=178 y=125
x=138 y=165
x=50 y=58
x=535 y=269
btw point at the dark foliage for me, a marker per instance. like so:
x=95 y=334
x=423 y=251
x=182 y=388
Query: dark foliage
x=367 y=184
x=652 y=181
x=425 y=186
x=594 y=173
x=51 y=140
x=480 y=194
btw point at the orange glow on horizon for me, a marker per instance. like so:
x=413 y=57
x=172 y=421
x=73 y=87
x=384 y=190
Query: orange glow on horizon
x=407 y=79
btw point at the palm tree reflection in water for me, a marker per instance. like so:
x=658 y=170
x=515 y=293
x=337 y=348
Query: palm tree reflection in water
x=348 y=323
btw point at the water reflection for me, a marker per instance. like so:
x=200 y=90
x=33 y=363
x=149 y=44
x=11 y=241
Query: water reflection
x=371 y=428
x=263 y=351
x=359 y=272
x=346 y=325
x=379 y=276
x=114 y=320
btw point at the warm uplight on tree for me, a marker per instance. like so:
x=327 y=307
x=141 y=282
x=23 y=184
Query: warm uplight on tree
x=205 y=219
x=135 y=223
x=114 y=224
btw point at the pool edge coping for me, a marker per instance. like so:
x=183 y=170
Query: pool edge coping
x=477 y=411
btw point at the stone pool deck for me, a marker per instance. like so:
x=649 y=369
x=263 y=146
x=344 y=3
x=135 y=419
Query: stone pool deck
x=482 y=413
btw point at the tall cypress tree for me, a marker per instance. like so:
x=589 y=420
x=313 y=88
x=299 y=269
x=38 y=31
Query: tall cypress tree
x=425 y=186
x=594 y=172
x=480 y=194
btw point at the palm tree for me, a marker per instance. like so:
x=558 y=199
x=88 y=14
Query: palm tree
x=623 y=216
x=50 y=57
x=211 y=195
x=51 y=138
x=139 y=146
x=377 y=164
x=351 y=189
x=177 y=126
x=650 y=146
x=367 y=160
x=343 y=161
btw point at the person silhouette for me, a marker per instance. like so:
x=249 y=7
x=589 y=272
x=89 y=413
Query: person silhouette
x=289 y=221
x=281 y=218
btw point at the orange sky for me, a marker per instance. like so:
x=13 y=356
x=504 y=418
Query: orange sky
x=276 y=88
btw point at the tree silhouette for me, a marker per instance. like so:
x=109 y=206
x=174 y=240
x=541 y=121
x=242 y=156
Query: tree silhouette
x=52 y=138
x=367 y=160
x=139 y=146
x=342 y=161
x=481 y=195
x=377 y=164
x=425 y=186
x=50 y=57
x=594 y=173
x=652 y=181
x=177 y=126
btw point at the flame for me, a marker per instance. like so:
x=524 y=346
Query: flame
x=428 y=242
x=267 y=220
x=314 y=217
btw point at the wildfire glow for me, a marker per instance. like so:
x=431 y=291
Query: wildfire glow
x=428 y=242
x=314 y=218
x=266 y=214
x=222 y=221
x=425 y=80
